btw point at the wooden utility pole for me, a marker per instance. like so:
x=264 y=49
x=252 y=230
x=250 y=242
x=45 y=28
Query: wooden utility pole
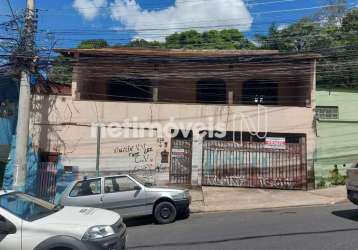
x=23 y=120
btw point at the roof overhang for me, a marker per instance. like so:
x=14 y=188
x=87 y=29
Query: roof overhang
x=182 y=53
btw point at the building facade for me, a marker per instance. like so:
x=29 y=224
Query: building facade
x=222 y=118
x=337 y=140
x=8 y=114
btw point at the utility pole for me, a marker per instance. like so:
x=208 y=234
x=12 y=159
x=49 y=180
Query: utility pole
x=23 y=120
x=98 y=155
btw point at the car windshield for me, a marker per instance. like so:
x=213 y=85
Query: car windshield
x=26 y=207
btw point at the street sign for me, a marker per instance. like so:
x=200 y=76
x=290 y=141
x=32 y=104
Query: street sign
x=275 y=142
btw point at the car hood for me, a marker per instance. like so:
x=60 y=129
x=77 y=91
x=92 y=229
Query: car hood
x=82 y=216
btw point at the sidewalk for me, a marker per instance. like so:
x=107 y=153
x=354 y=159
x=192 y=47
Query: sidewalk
x=218 y=199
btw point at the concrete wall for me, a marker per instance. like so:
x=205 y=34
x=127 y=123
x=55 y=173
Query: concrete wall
x=337 y=140
x=62 y=124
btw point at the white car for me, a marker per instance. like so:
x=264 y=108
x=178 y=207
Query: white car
x=129 y=196
x=28 y=223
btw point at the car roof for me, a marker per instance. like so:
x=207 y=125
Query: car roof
x=104 y=176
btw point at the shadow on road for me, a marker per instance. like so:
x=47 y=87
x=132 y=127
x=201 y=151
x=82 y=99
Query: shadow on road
x=193 y=243
x=145 y=220
x=139 y=221
x=351 y=214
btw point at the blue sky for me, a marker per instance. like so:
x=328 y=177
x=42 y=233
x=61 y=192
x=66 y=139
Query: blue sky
x=118 y=21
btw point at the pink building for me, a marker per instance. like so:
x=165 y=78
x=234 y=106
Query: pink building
x=223 y=118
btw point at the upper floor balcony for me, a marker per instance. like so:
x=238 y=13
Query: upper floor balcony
x=194 y=77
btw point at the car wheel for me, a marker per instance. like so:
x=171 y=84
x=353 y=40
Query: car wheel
x=165 y=212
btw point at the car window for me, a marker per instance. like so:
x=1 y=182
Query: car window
x=26 y=207
x=2 y=219
x=86 y=187
x=118 y=184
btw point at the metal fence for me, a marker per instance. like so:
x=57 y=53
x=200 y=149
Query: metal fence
x=46 y=181
x=252 y=164
x=180 y=166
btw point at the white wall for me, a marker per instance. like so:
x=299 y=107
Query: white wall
x=78 y=147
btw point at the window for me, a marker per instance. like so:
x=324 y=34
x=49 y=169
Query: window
x=135 y=90
x=260 y=92
x=327 y=112
x=86 y=187
x=26 y=207
x=211 y=91
x=118 y=184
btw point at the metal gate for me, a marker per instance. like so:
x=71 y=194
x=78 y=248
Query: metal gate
x=251 y=164
x=180 y=164
x=46 y=181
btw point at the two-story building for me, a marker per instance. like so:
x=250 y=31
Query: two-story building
x=222 y=118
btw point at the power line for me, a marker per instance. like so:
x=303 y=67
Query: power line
x=154 y=5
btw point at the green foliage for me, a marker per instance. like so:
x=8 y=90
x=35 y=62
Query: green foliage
x=336 y=178
x=321 y=183
x=349 y=28
x=332 y=13
x=336 y=41
x=230 y=39
x=141 y=43
x=61 y=71
x=93 y=44
x=303 y=36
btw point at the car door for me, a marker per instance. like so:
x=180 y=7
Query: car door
x=124 y=195
x=86 y=193
x=10 y=241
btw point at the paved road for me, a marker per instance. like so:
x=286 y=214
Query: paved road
x=330 y=227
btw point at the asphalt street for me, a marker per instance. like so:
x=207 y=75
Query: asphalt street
x=323 y=227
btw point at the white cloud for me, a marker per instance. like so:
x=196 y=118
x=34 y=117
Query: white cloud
x=89 y=9
x=282 y=26
x=200 y=15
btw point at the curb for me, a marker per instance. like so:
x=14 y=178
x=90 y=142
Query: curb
x=199 y=211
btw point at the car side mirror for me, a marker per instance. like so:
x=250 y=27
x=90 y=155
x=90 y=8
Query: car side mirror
x=138 y=188
x=7 y=227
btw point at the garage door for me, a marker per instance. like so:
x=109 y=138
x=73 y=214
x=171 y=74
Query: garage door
x=254 y=164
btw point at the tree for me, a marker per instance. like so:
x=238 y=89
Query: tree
x=271 y=40
x=349 y=28
x=348 y=39
x=61 y=70
x=213 y=39
x=141 y=43
x=332 y=13
x=305 y=35
x=93 y=44
x=335 y=41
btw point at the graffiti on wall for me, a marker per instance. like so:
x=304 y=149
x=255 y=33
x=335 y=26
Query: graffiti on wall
x=140 y=155
x=147 y=160
x=230 y=181
x=244 y=181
